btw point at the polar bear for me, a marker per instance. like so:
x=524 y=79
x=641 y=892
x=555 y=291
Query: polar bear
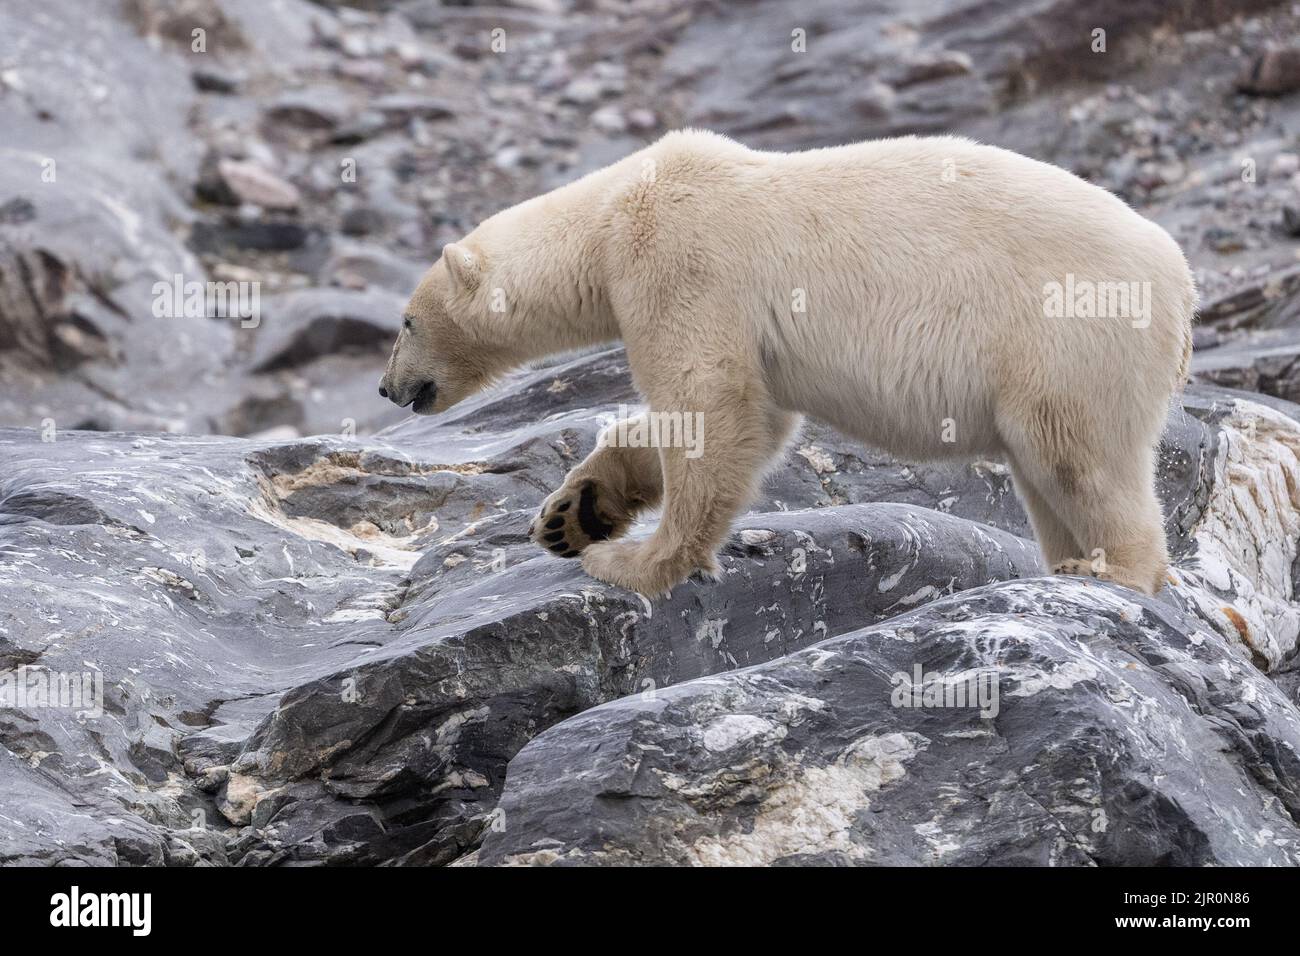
x=930 y=296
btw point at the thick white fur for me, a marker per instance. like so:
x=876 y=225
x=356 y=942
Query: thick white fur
x=923 y=264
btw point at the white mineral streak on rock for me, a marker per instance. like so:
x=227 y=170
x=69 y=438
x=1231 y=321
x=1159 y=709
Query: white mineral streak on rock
x=448 y=732
x=711 y=629
x=914 y=550
x=795 y=706
x=923 y=595
x=933 y=834
x=546 y=857
x=818 y=658
x=168 y=579
x=371 y=606
x=627 y=622
x=385 y=549
x=1246 y=538
x=994 y=475
x=1035 y=680
x=812 y=809
x=242 y=793
x=821 y=462
x=729 y=730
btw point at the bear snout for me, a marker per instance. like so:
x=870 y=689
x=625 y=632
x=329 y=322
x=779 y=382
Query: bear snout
x=399 y=396
x=420 y=394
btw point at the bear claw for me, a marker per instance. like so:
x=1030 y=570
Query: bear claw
x=567 y=531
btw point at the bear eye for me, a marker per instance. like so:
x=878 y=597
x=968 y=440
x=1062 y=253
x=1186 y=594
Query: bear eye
x=406 y=321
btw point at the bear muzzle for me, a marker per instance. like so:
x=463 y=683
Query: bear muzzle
x=425 y=399
x=422 y=395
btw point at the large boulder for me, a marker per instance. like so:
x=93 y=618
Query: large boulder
x=1039 y=722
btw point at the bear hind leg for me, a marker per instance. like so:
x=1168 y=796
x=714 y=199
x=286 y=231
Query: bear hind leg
x=1053 y=535
x=1100 y=488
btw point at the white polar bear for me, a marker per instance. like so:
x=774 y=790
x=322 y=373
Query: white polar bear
x=930 y=296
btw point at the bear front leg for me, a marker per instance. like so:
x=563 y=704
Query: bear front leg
x=701 y=497
x=600 y=497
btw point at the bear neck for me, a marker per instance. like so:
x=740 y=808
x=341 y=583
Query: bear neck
x=556 y=256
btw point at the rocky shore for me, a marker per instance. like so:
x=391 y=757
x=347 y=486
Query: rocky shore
x=317 y=629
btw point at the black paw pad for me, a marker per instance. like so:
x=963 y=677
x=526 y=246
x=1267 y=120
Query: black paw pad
x=595 y=527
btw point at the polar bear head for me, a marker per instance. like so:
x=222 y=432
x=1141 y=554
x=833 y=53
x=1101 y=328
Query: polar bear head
x=524 y=284
x=442 y=354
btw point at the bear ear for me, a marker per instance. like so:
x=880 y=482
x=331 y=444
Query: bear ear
x=463 y=266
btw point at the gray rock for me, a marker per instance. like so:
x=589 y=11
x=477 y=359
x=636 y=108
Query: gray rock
x=299 y=327
x=1269 y=302
x=583 y=91
x=209 y=80
x=233 y=235
x=356 y=265
x=1291 y=221
x=948 y=64
x=364 y=126
x=308 y=109
x=251 y=182
x=404 y=107
x=361 y=221
x=329 y=649
x=1256 y=361
x=1120 y=733
x=1273 y=72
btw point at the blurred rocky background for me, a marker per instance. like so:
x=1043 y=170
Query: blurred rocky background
x=321 y=633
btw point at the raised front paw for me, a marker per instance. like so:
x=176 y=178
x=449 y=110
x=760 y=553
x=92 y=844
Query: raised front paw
x=576 y=515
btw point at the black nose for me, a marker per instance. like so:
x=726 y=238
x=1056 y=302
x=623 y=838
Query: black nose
x=383 y=392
